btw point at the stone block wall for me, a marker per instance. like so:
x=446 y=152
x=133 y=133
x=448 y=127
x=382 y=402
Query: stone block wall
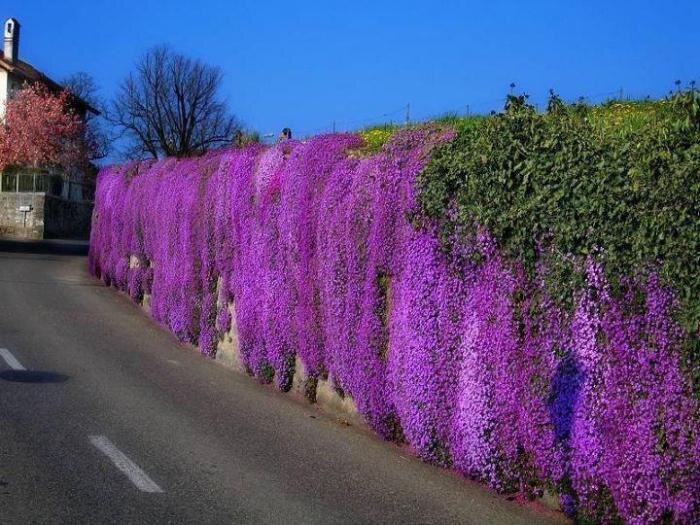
x=65 y=219
x=47 y=217
x=22 y=224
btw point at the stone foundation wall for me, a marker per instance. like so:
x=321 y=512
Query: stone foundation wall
x=22 y=224
x=64 y=219
x=40 y=216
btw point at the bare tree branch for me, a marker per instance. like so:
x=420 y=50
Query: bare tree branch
x=170 y=106
x=83 y=86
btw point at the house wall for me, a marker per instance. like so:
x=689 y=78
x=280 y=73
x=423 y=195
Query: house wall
x=3 y=91
x=14 y=83
x=9 y=83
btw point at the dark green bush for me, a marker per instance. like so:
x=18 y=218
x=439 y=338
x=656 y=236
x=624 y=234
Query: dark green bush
x=622 y=179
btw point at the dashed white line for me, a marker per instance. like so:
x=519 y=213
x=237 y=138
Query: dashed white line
x=11 y=360
x=132 y=471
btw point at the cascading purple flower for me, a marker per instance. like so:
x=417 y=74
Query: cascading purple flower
x=314 y=248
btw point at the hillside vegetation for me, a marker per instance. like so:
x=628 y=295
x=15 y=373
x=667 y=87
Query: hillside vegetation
x=620 y=180
x=513 y=296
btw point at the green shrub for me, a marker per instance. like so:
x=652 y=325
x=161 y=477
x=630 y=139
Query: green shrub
x=459 y=122
x=621 y=180
x=375 y=137
x=629 y=116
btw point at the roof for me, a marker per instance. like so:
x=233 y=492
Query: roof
x=27 y=72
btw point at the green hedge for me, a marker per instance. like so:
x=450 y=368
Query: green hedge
x=622 y=179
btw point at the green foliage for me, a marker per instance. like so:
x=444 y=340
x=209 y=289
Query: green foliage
x=459 y=122
x=267 y=373
x=376 y=136
x=243 y=138
x=629 y=116
x=620 y=180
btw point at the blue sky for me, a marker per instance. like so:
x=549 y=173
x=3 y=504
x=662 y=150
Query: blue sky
x=306 y=64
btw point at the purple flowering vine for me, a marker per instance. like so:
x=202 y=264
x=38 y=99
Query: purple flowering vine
x=314 y=248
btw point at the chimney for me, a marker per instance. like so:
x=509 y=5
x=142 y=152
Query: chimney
x=11 y=40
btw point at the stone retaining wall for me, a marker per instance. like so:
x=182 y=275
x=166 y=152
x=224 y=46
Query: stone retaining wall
x=22 y=224
x=66 y=219
x=41 y=216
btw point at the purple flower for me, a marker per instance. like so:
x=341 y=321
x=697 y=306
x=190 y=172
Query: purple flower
x=472 y=364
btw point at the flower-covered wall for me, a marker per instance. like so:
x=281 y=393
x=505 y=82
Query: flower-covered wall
x=319 y=249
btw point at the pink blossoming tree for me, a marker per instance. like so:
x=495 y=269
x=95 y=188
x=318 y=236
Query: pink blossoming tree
x=41 y=130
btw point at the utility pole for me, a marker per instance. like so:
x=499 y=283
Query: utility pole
x=408 y=113
x=621 y=94
x=468 y=111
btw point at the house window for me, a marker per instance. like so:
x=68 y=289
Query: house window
x=9 y=27
x=9 y=182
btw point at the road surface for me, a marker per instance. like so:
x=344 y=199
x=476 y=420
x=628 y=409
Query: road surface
x=105 y=418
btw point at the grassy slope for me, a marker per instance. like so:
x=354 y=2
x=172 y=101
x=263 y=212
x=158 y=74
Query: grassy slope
x=613 y=116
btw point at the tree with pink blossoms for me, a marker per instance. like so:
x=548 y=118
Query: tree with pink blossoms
x=41 y=130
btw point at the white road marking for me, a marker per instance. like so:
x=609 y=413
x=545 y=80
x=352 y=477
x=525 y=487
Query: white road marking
x=11 y=360
x=132 y=471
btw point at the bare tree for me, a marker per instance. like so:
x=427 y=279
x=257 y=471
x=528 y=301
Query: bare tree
x=170 y=106
x=83 y=86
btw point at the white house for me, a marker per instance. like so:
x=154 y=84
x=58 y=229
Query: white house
x=14 y=73
x=35 y=204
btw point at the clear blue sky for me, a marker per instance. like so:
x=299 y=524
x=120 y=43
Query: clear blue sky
x=305 y=64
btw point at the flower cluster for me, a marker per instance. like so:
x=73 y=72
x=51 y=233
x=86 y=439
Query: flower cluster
x=464 y=357
x=41 y=130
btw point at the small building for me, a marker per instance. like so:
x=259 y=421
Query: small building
x=36 y=203
x=14 y=72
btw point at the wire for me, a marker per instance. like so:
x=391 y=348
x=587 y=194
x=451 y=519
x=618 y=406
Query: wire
x=470 y=108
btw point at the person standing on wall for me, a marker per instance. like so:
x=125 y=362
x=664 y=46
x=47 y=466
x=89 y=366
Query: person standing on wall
x=285 y=134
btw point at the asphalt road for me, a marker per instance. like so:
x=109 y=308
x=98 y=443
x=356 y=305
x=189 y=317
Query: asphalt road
x=105 y=418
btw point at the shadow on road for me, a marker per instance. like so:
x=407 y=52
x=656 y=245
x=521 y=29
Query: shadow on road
x=32 y=376
x=53 y=246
